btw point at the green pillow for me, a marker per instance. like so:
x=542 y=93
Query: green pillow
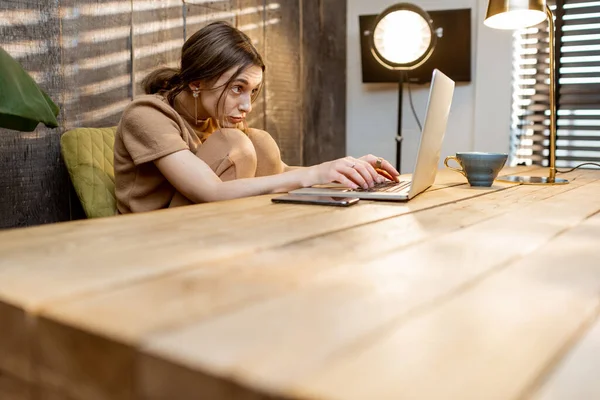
x=88 y=154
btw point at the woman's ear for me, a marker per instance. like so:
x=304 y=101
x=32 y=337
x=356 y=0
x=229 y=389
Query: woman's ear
x=196 y=85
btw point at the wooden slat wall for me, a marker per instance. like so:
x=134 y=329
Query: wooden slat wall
x=32 y=178
x=282 y=86
x=251 y=20
x=90 y=55
x=323 y=80
x=157 y=37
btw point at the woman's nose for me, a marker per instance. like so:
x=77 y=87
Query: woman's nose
x=245 y=106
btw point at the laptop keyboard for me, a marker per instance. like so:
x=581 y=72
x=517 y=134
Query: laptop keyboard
x=387 y=187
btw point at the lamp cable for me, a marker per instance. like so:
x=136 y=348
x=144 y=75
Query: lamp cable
x=578 y=166
x=412 y=106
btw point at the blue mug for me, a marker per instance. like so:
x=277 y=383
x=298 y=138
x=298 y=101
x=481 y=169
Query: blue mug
x=480 y=169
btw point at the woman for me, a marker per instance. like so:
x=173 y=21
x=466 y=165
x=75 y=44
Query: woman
x=187 y=141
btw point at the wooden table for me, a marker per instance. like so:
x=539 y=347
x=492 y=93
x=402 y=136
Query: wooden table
x=461 y=293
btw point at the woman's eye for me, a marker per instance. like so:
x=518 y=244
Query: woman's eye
x=254 y=91
x=237 y=89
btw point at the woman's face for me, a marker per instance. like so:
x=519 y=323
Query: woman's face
x=236 y=101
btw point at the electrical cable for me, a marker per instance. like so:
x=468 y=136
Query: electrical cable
x=579 y=166
x=412 y=106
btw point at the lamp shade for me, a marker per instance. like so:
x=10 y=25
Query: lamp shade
x=515 y=14
x=23 y=105
x=402 y=37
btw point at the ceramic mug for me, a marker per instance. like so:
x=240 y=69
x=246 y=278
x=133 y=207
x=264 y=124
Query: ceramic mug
x=480 y=169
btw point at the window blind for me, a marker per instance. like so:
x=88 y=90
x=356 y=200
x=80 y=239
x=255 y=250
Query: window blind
x=578 y=87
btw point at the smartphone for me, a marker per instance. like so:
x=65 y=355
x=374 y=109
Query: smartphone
x=322 y=200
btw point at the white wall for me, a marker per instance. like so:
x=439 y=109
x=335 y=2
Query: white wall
x=480 y=113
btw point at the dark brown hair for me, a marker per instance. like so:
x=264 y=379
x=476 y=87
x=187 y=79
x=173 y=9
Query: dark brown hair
x=205 y=56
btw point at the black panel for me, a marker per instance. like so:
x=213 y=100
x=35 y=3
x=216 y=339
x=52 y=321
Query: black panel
x=452 y=54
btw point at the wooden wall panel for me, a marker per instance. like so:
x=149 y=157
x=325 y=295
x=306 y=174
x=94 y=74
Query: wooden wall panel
x=323 y=80
x=33 y=182
x=249 y=19
x=282 y=83
x=157 y=37
x=96 y=61
x=200 y=13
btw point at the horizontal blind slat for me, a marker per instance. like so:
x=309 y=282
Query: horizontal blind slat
x=578 y=130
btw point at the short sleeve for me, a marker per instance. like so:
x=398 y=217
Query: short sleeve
x=149 y=130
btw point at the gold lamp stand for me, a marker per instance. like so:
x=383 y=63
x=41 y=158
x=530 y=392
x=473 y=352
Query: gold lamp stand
x=496 y=8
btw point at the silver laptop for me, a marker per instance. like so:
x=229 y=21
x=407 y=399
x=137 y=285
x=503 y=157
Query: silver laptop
x=430 y=146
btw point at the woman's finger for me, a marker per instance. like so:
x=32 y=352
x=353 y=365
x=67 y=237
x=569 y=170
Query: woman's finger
x=387 y=166
x=355 y=176
x=383 y=164
x=385 y=174
x=364 y=169
x=341 y=178
x=371 y=170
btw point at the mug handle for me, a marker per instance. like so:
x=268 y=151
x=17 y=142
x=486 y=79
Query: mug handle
x=453 y=169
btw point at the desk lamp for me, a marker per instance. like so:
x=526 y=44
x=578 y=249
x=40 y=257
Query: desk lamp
x=515 y=14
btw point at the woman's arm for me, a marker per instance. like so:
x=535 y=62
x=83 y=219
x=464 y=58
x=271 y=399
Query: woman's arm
x=287 y=168
x=193 y=178
x=385 y=169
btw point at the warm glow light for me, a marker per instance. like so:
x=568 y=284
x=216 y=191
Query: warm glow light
x=402 y=37
x=515 y=19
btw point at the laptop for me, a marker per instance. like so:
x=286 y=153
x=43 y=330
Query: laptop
x=430 y=147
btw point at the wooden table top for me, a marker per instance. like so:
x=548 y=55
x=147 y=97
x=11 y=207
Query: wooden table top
x=461 y=293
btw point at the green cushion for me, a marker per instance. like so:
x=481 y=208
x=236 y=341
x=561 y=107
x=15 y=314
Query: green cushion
x=23 y=105
x=88 y=155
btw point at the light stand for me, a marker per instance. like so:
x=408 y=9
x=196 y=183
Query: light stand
x=402 y=39
x=399 y=137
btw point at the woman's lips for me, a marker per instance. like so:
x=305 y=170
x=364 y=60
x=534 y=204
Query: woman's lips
x=236 y=120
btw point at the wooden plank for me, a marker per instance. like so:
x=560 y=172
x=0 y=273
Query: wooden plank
x=12 y=388
x=183 y=384
x=282 y=83
x=323 y=80
x=490 y=341
x=15 y=343
x=273 y=345
x=576 y=375
x=109 y=376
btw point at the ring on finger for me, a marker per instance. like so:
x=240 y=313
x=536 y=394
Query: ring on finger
x=379 y=162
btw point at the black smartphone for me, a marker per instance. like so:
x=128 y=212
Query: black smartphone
x=322 y=200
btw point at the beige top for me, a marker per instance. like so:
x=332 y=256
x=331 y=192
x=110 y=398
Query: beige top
x=149 y=129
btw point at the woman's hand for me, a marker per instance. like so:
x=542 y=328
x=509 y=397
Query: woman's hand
x=353 y=172
x=382 y=166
